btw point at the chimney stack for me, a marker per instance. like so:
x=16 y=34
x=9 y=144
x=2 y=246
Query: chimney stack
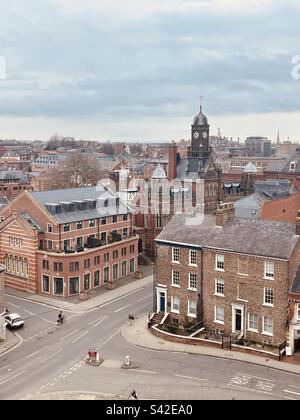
x=224 y=212
x=298 y=223
x=172 y=169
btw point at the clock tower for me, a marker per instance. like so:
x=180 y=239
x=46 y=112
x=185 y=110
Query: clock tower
x=200 y=137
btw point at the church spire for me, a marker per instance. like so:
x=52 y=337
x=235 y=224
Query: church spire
x=278 y=138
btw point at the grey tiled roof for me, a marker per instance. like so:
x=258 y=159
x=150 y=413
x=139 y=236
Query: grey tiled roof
x=14 y=175
x=248 y=236
x=284 y=165
x=49 y=198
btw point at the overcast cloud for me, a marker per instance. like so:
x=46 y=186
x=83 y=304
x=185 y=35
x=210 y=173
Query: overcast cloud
x=135 y=70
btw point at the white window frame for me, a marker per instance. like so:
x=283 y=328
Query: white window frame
x=250 y=328
x=292 y=166
x=298 y=312
x=190 y=314
x=190 y=287
x=267 y=303
x=239 y=271
x=175 y=284
x=49 y=226
x=216 y=287
x=266 y=272
x=175 y=311
x=218 y=258
x=190 y=258
x=217 y=321
x=173 y=254
x=263 y=326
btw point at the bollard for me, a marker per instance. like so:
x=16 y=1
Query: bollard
x=127 y=361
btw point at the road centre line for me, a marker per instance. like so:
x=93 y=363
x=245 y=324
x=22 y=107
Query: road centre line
x=100 y=322
x=144 y=371
x=13 y=304
x=68 y=335
x=99 y=319
x=13 y=377
x=248 y=389
x=50 y=322
x=124 y=307
x=52 y=355
x=28 y=312
x=78 y=338
x=146 y=297
x=191 y=377
x=291 y=392
x=255 y=377
x=36 y=352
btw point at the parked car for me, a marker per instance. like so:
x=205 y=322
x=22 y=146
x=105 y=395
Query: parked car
x=14 y=321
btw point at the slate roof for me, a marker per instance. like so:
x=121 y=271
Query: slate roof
x=13 y=175
x=284 y=164
x=248 y=236
x=50 y=200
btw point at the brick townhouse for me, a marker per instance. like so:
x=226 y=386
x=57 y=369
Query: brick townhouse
x=64 y=242
x=228 y=274
x=2 y=320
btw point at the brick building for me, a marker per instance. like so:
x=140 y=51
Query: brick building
x=229 y=274
x=13 y=183
x=287 y=168
x=64 y=242
x=2 y=320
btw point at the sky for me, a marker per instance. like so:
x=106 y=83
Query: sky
x=134 y=70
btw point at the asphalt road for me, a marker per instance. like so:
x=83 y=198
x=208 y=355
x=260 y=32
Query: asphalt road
x=51 y=359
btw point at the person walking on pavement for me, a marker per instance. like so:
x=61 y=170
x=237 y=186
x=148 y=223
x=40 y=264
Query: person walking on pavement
x=60 y=318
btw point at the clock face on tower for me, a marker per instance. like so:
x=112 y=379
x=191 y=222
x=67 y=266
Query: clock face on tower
x=196 y=135
x=204 y=134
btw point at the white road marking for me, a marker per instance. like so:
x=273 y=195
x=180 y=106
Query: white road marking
x=256 y=377
x=42 y=387
x=191 y=377
x=292 y=392
x=78 y=338
x=106 y=341
x=50 y=322
x=13 y=304
x=52 y=355
x=144 y=371
x=293 y=386
x=28 y=312
x=5 y=367
x=124 y=307
x=68 y=335
x=146 y=297
x=99 y=319
x=36 y=352
x=13 y=377
x=289 y=398
x=100 y=322
x=242 y=388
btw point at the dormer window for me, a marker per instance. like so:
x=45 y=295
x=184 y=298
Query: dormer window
x=292 y=166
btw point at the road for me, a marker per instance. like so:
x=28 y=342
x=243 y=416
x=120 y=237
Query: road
x=51 y=359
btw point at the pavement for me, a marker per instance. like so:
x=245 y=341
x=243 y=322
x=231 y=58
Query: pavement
x=105 y=296
x=138 y=334
x=12 y=341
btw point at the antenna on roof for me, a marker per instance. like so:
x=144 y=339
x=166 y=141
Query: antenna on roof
x=201 y=102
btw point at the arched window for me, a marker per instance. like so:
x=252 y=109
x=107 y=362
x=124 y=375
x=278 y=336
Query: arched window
x=16 y=265
x=25 y=267
x=206 y=191
x=216 y=190
x=21 y=266
x=211 y=190
x=6 y=262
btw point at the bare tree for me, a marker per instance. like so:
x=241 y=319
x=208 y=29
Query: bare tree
x=77 y=170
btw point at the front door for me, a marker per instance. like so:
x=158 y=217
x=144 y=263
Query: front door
x=238 y=320
x=162 y=301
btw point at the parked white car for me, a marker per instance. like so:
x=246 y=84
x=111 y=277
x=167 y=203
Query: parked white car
x=14 y=321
